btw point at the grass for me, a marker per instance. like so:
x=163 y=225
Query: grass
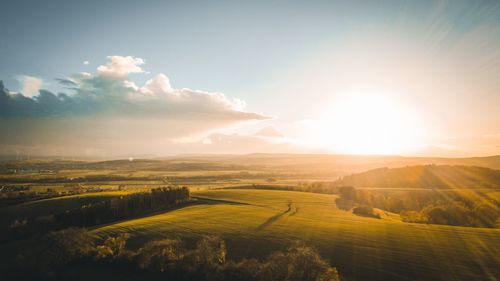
x=257 y=222
x=254 y=223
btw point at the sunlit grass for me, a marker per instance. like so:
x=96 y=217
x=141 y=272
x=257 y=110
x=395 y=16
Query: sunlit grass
x=259 y=221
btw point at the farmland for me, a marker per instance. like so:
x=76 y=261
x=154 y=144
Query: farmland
x=255 y=222
x=260 y=205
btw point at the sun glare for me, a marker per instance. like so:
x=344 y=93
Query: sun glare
x=366 y=124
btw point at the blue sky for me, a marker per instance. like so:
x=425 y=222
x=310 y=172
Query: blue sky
x=214 y=45
x=283 y=58
x=211 y=45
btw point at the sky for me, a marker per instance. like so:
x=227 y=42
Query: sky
x=118 y=78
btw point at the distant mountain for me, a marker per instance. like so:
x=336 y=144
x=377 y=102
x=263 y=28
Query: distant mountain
x=339 y=164
x=327 y=166
x=269 y=132
x=428 y=176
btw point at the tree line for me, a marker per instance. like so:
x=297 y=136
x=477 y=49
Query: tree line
x=123 y=207
x=166 y=259
x=118 y=208
x=313 y=187
x=450 y=207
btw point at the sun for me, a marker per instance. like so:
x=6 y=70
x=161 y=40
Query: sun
x=366 y=124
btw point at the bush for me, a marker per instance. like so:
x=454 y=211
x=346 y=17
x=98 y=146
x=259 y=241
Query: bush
x=347 y=193
x=65 y=245
x=51 y=253
x=245 y=270
x=160 y=255
x=298 y=263
x=413 y=216
x=207 y=261
x=210 y=251
x=487 y=214
x=113 y=247
x=365 y=211
x=169 y=260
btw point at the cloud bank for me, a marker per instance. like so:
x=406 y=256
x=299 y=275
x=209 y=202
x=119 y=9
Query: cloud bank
x=31 y=85
x=107 y=110
x=266 y=140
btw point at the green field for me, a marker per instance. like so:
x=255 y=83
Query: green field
x=256 y=222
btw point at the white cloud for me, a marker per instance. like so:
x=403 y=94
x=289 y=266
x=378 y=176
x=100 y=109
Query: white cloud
x=111 y=88
x=233 y=143
x=109 y=112
x=160 y=84
x=86 y=62
x=30 y=85
x=119 y=66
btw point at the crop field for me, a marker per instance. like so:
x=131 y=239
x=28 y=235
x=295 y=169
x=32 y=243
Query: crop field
x=256 y=222
x=264 y=206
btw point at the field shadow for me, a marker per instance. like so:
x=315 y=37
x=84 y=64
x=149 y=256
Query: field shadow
x=272 y=220
x=344 y=204
x=217 y=201
x=294 y=212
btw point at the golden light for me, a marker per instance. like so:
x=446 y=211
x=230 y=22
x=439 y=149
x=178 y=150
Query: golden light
x=366 y=124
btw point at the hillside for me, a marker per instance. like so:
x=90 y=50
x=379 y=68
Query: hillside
x=256 y=222
x=338 y=163
x=428 y=176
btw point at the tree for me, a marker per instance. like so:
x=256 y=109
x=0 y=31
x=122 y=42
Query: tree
x=365 y=211
x=347 y=193
x=160 y=255
x=56 y=250
x=298 y=263
x=210 y=251
x=65 y=245
x=113 y=247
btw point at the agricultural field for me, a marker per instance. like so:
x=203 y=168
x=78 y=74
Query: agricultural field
x=259 y=205
x=256 y=222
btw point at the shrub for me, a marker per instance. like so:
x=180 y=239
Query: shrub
x=113 y=247
x=245 y=270
x=160 y=255
x=298 y=263
x=413 y=216
x=53 y=252
x=65 y=245
x=210 y=251
x=168 y=259
x=365 y=211
x=438 y=215
x=347 y=193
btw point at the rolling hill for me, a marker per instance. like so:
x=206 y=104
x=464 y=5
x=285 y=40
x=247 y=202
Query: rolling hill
x=428 y=176
x=256 y=222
